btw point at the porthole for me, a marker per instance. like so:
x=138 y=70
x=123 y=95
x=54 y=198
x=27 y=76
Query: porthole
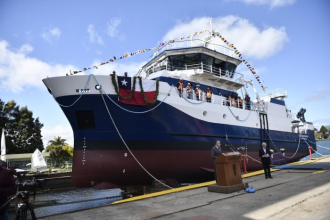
x=224 y=116
x=205 y=113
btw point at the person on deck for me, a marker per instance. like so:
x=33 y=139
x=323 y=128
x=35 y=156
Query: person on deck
x=189 y=91
x=247 y=102
x=228 y=99
x=198 y=92
x=264 y=154
x=240 y=102
x=208 y=95
x=7 y=188
x=215 y=152
x=180 y=87
x=125 y=74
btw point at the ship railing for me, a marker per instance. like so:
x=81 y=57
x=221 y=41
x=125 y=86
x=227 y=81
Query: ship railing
x=195 y=43
x=221 y=100
x=199 y=68
x=192 y=95
x=279 y=92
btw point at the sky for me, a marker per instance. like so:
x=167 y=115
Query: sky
x=286 y=41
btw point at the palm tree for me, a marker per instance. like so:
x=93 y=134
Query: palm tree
x=57 y=141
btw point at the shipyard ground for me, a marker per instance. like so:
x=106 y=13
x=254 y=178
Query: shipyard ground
x=292 y=194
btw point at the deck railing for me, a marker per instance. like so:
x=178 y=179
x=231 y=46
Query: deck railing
x=199 y=68
x=196 y=43
x=221 y=100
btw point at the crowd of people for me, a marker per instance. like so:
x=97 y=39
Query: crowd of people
x=237 y=101
x=198 y=91
x=234 y=101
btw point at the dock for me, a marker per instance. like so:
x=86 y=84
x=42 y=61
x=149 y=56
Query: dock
x=295 y=193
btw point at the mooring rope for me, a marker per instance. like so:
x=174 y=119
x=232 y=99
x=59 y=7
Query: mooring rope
x=315 y=150
x=81 y=94
x=318 y=145
x=127 y=145
x=279 y=151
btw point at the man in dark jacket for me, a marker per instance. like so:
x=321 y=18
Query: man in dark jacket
x=7 y=188
x=264 y=154
x=215 y=152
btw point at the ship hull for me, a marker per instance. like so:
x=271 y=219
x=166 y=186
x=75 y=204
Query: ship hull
x=120 y=171
x=167 y=142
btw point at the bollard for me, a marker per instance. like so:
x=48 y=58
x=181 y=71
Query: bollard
x=244 y=164
x=310 y=152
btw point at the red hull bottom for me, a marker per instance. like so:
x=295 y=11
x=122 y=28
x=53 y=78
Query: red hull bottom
x=120 y=169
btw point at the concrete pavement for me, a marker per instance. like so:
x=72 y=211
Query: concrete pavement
x=292 y=194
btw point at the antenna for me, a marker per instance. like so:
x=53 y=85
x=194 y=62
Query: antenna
x=211 y=30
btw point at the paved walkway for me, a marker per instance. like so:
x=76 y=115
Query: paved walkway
x=292 y=194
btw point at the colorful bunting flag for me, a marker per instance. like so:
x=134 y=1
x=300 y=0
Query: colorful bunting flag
x=163 y=44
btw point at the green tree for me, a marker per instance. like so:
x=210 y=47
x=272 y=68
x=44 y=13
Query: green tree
x=22 y=131
x=57 y=141
x=59 y=151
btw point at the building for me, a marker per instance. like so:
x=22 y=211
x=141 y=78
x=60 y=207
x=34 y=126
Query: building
x=21 y=160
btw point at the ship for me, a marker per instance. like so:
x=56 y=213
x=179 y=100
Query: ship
x=123 y=145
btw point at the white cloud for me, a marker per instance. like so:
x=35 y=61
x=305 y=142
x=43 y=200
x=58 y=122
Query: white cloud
x=94 y=37
x=270 y=3
x=112 y=27
x=64 y=131
x=247 y=38
x=50 y=33
x=319 y=94
x=119 y=66
x=19 y=71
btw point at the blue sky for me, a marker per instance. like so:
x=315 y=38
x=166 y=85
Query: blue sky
x=287 y=41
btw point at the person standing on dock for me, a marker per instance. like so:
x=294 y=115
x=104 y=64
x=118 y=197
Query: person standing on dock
x=7 y=188
x=264 y=154
x=215 y=152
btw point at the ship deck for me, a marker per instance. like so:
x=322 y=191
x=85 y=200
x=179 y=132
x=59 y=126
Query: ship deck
x=295 y=193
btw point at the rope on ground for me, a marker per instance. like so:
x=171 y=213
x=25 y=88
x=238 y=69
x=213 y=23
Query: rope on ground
x=279 y=151
x=81 y=94
x=315 y=150
x=318 y=145
x=128 y=147
x=319 y=153
x=149 y=110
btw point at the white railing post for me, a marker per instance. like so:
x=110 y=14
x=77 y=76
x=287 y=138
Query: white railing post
x=202 y=66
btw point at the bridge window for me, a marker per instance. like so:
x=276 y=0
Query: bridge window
x=192 y=60
x=207 y=62
x=177 y=62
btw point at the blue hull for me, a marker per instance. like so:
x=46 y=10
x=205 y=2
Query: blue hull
x=165 y=129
